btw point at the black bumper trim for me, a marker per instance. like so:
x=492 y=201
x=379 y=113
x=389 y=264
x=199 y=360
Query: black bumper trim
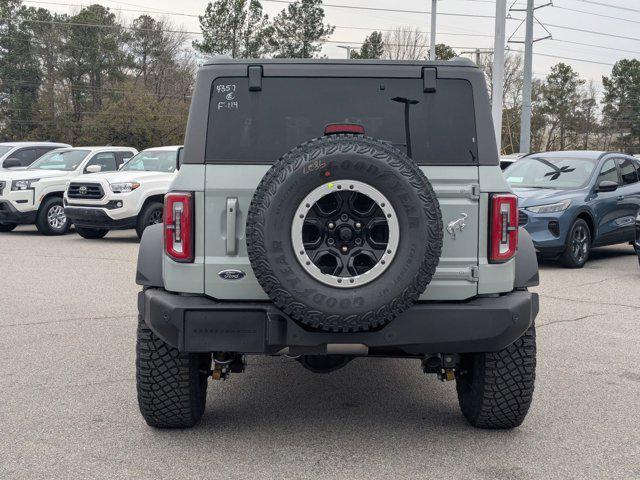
x=200 y=324
x=9 y=214
x=92 y=217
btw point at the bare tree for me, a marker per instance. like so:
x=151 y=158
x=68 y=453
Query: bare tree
x=405 y=43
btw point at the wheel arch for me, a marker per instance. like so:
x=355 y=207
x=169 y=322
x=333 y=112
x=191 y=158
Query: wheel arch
x=149 y=268
x=152 y=198
x=47 y=196
x=526 y=262
x=588 y=218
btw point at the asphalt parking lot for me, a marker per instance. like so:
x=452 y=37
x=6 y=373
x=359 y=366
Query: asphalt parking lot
x=68 y=403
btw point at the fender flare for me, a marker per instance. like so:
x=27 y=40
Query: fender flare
x=149 y=270
x=526 y=262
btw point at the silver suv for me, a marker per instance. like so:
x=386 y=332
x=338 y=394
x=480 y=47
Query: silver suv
x=328 y=210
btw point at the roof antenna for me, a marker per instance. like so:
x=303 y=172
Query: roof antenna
x=407 y=128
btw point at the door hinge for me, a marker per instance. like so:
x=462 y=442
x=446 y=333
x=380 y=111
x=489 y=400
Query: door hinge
x=475 y=191
x=255 y=78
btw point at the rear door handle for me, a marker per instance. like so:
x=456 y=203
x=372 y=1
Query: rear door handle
x=620 y=197
x=232 y=215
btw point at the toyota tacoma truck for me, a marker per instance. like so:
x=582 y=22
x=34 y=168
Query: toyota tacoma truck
x=19 y=155
x=327 y=210
x=131 y=197
x=35 y=195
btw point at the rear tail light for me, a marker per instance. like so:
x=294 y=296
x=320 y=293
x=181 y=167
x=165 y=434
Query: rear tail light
x=503 y=230
x=335 y=128
x=178 y=226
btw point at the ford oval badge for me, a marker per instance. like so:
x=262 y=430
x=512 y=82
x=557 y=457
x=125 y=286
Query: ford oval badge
x=231 y=274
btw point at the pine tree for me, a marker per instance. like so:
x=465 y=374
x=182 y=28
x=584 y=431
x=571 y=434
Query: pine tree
x=561 y=102
x=372 y=47
x=299 y=30
x=233 y=27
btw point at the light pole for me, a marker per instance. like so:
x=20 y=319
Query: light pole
x=432 y=46
x=525 y=121
x=348 y=48
x=497 y=79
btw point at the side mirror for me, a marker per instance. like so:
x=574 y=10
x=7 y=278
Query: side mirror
x=93 y=169
x=12 y=163
x=607 y=186
x=179 y=158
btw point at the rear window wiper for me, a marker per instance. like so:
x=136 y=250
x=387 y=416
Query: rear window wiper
x=407 y=121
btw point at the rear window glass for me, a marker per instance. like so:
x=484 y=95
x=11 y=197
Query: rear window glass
x=259 y=127
x=628 y=172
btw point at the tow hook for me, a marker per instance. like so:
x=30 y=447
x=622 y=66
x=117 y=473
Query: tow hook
x=226 y=363
x=444 y=365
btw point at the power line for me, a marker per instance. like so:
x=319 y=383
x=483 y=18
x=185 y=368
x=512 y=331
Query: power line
x=372 y=29
x=329 y=5
x=593 y=32
x=635 y=52
x=91 y=88
x=363 y=28
x=389 y=10
x=421 y=12
x=119 y=9
x=592 y=2
x=601 y=15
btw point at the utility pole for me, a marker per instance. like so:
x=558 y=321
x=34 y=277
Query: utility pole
x=432 y=45
x=525 y=119
x=348 y=48
x=477 y=54
x=497 y=80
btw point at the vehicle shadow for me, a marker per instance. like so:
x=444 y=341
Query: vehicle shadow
x=133 y=239
x=24 y=231
x=597 y=255
x=370 y=401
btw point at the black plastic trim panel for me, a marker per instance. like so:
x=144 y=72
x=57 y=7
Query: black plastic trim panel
x=201 y=324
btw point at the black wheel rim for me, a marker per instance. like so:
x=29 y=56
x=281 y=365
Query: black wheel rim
x=155 y=217
x=579 y=243
x=346 y=237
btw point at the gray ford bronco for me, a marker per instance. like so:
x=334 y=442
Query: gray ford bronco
x=327 y=210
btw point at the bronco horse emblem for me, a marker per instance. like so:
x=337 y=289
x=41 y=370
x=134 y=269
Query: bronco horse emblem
x=458 y=224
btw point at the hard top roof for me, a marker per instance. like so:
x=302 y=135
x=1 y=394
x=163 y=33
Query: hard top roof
x=225 y=60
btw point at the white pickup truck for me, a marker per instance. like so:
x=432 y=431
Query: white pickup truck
x=129 y=198
x=35 y=195
x=19 y=155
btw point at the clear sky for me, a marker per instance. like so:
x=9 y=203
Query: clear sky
x=462 y=32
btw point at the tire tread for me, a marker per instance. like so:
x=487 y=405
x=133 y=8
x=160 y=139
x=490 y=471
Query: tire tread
x=171 y=390
x=498 y=391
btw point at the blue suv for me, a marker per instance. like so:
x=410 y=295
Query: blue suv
x=572 y=201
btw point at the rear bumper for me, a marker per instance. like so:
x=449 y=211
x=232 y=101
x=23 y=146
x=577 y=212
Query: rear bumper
x=9 y=214
x=200 y=324
x=92 y=217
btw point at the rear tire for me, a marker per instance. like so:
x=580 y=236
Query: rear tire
x=51 y=219
x=7 y=227
x=91 y=233
x=578 y=246
x=150 y=215
x=495 y=389
x=172 y=386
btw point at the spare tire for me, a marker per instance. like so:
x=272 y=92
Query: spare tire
x=344 y=233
